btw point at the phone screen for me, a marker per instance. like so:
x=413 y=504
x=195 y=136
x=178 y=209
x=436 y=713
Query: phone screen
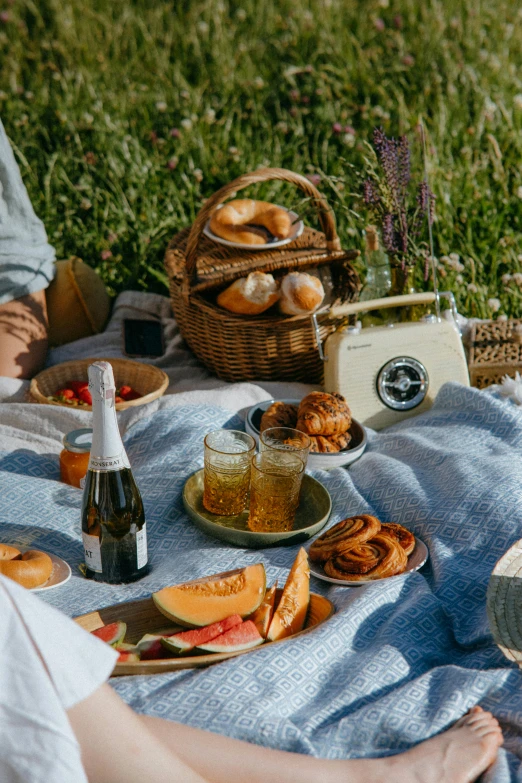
x=143 y=338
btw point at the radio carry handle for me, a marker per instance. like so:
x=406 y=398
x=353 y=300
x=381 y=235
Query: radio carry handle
x=427 y=297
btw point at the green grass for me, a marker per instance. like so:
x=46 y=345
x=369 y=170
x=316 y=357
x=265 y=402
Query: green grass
x=90 y=91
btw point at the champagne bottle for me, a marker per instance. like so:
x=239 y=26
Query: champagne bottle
x=113 y=520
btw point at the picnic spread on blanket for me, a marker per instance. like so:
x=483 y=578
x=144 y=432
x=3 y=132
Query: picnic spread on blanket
x=271 y=559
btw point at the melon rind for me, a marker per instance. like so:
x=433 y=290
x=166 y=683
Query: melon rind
x=186 y=640
x=290 y=615
x=112 y=633
x=213 y=598
x=262 y=617
x=242 y=637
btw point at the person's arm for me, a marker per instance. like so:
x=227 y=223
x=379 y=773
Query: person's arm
x=118 y=747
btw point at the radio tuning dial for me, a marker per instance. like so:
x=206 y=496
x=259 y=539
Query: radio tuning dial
x=402 y=383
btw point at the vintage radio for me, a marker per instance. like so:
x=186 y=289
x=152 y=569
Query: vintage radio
x=388 y=373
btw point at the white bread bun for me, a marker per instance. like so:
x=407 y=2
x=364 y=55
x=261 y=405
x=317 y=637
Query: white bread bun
x=301 y=293
x=250 y=295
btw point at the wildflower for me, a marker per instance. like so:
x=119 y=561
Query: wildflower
x=517 y=278
x=105 y=255
x=85 y=204
x=4 y=16
x=293 y=112
x=349 y=129
x=305 y=99
x=337 y=127
x=161 y=106
x=517 y=101
x=186 y=124
x=202 y=27
x=259 y=83
x=88 y=118
x=112 y=237
x=29 y=95
x=294 y=95
x=408 y=60
x=494 y=304
x=210 y=116
x=185 y=95
x=153 y=136
x=172 y=163
x=90 y=158
x=349 y=140
x=315 y=179
x=241 y=14
x=384 y=3
x=459 y=279
x=379 y=24
x=506 y=279
x=198 y=175
x=472 y=288
x=174 y=133
x=502 y=317
x=398 y=22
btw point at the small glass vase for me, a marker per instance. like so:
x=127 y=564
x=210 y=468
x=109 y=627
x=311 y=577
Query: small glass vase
x=403 y=282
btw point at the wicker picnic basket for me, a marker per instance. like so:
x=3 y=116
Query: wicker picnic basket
x=269 y=346
x=149 y=381
x=495 y=351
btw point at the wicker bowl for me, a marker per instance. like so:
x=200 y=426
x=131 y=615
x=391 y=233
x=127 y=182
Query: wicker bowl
x=149 y=381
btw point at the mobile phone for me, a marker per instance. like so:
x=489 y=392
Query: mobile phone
x=143 y=338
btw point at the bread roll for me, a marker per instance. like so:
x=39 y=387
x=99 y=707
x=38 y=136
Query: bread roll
x=301 y=293
x=236 y=221
x=250 y=295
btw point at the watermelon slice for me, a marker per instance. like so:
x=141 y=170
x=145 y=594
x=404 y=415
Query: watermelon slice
x=124 y=647
x=187 y=640
x=128 y=657
x=112 y=634
x=241 y=637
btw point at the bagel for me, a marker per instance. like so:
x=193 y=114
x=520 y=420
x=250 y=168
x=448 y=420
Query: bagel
x=237 y=221
x=8 y=552
x=31 y=569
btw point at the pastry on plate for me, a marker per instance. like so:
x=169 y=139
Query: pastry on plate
x=405 y=537
x=343 y=536
x=238 y=221
x=326 y=414
x=377 y=558
x=279 y=414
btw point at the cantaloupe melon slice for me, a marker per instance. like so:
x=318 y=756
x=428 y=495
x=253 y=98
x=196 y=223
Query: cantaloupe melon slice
x=262 y=617
x=213 y=598
x=290 y=615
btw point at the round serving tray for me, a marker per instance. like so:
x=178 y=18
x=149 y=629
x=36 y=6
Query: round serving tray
x=337 y=459
x=312 y=515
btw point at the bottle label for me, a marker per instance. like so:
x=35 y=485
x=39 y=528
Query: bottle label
x=141 y=546
x=106 y=464
x=91 y=547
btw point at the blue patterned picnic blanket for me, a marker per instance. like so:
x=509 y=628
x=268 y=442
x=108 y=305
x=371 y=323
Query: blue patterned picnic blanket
x=401 y=659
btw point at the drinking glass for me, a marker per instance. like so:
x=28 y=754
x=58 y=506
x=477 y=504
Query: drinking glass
x=228 y=457
x=286 y=439
x=274 y=491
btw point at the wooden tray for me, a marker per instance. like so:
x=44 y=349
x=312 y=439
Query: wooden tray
x=142 y=617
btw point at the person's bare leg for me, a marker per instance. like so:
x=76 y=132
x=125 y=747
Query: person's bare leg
x=459 y=755
x=23 y=336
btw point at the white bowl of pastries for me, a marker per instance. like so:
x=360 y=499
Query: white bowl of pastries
x=343 y=441
x=253 y=225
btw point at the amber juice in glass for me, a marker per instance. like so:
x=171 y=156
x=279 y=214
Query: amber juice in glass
x=274 y=491
x=286 y=439
x=228 y=455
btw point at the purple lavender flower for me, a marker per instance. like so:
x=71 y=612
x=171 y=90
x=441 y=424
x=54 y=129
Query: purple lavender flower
x=388 y=233
x=387 y=154
x=371 y=197
x=403 y=151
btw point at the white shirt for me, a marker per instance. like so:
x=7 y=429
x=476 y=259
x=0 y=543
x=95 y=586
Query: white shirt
x=47 y=664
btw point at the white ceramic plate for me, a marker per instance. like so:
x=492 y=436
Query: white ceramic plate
x=416 y=560
x=60 y=574
x=337 y=459
x=297 y=225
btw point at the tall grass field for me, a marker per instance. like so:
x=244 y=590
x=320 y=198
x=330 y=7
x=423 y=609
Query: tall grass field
x=125 y=115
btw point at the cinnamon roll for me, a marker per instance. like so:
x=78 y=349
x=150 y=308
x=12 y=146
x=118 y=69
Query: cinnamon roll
x=405 y=537
x=375 y=559
x=343 y=536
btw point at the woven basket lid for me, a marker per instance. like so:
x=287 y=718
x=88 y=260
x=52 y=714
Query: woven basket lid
x=504 y=603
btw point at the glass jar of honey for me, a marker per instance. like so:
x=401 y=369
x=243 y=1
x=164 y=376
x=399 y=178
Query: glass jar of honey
x=74 y=458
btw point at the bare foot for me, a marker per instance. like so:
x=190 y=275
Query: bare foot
x=459 y=755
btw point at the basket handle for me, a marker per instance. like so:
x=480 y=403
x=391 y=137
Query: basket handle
x=261 y=175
